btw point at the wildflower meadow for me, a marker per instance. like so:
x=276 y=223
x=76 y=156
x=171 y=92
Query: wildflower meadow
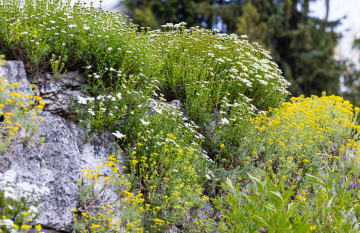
x=267 y=165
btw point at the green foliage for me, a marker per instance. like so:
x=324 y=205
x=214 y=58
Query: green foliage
x=99 y=212
x=296 y=139
x=268 y=206
x=56 y=67
x=302 y=46
x=18 y=113
x=127 y=68
x=225 y=84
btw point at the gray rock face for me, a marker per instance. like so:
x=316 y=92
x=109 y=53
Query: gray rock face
x=57 y=94
x=14 y=72
x=56 y=164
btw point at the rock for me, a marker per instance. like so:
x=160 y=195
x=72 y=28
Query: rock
x=56 y=164
x=179 y=106
x=157 y=106
x=14 y=72
x=57 y=94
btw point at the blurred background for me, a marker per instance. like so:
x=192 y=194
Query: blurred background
x=316 y=43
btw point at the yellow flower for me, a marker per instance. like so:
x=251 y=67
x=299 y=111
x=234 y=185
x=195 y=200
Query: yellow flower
x=26 y=213
x=134 y=161
x=75 y=210
x=222 y=145
x=38 y=227
x=159 y=220
x=26 y=227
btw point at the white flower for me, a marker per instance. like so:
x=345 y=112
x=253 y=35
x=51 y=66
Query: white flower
x=9 y=177
x=72 y=26
x=158 y=110
x=81 y=100
x=86 y=27
x=33 y=209
x=119 y=135
x=209 y=174
x=167 y=25
x=224 y=121
x=9 y=192
x=88 y=67
x=25 y=189
x=118 y=95
x=8 y=223
x=109 y=48
x=97 y=76
x=175 y=170
x=91 y=112
x=52 y=21
x=112 y=69
x=63 y=44
x=144 y=122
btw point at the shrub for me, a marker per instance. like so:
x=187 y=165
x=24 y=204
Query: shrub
x=300 y=137
x=268 y=206
x=100 y=210
x=206 y=70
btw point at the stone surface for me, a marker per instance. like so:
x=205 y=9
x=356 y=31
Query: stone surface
x=57 y=94
x=14 y=72
x=56 y=164
x=156 y=105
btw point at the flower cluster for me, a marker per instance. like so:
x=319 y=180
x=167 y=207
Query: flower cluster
x=19 y=116
x=303 y=136
x=106 y=204
x=19 y=203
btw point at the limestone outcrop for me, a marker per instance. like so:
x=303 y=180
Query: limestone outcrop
x=56 y=164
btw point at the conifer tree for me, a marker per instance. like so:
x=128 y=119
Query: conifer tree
x=351 y=79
